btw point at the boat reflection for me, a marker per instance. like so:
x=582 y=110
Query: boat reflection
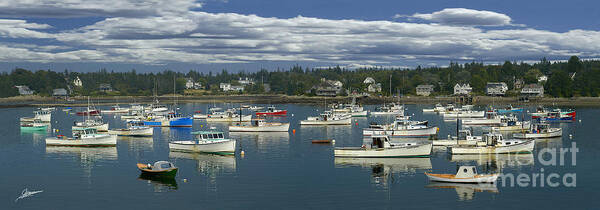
x=136 y=144
x=263 y=141
x=556 y=142
x=87 y=156
x=465 y=192
x=160 y=184
x=208 y=164
x=382 y=169
x=496 y=162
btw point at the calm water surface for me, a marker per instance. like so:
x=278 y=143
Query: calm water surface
x=279 y=171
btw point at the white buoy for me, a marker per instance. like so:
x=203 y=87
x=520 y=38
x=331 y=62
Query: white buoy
x=333 y=141
x=292 y=115
x=579 y=120
x=184 y=180
x=570 y=136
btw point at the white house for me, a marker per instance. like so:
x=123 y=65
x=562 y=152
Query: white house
x=496 y=88
x=533 y=90
x=424 y=90
x=190 y=84
x=77 y=82
x=369 y=80
x=228 y=87
x=374 y=88
x=246 y=81
x=542 y=78
x=329 y=87
x=24 y=90
x=464 y=89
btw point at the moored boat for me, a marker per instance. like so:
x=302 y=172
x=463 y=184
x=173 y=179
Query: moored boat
x=40 y=114
x=539 y=130
x=92 y=123
x=116 y=109
x=205 y=142
x=159 y=168
x=328 y=118
x=494 y=143
x=490 y=118
x=227 y=116
x=465 y=174
x=36 y=125
x=83 y=137
x=272 y=111
x=402 y=127
x=381 y=147
x=464 y=138
x=134 y=128
x=260 y=125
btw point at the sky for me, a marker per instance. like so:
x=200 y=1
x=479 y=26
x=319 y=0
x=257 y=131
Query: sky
x=246 y=35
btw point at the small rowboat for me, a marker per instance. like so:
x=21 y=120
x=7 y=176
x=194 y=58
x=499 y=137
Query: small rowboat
x=465 y=174
x=160 y=168
x=325 y=141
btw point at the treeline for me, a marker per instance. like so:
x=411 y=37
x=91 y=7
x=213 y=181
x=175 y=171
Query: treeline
x=565 y=79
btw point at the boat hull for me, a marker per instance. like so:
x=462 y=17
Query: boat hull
x=491 y=178
x=282 y=112
x=221 y=147
x=481 y=121
x=346 y=121
x=423 y=150
x=133 y=132
x=213 y=118
x=552 y=134
x=420 y=132
x=104 y=141
x=283 y=127
x=525 y=147
x=100 y=128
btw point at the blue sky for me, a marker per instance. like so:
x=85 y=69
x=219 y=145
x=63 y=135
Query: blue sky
x=209 y=35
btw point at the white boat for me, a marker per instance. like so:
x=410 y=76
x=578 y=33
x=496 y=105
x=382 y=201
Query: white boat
x=227 y=116
x=134 y=128
x=381 y=147
x=89 y=123
x=260 y=125
x=40 y=114
x=465 y=174
x=490 y=118
x=511 y=123
x=402 y=127
x=133 y=115
x=539 y=130
x=393 y=109
x=199 y=116
x=353 y=109
x=83 y=137
x=136 y=107
x=328 y=118
x=116 y=109
x=205 y=142
x=464 y=138
x=464 y=114
x=495 y=144
x=437 y=108
x=256 y=108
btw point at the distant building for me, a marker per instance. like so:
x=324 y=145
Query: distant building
x=246 y=81
x=60 y=93
x=77 y=82
x=533 y=90
x=496 y=88
x=105 y=87
x=518 y=84
x=329 y=88
x=424 y=90
x=228 y=87
x=464 y=89
x=24 y=90
x=190 y=84
x=374 y=88
x=369 y=80
x=543 y=78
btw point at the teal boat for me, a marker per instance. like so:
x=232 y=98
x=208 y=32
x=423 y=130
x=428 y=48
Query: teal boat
x=36 y=125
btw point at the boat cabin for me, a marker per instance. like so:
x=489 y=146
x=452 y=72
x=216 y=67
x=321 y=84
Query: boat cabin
x=161 y=165
x=540 y=128
x=271 y=109
x=466 y=172
x=84 y=132
x=135 y=124
x=208 y=135
x=380 y=142
x=490 y=114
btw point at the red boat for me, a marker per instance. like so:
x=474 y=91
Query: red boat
x=272 y=111
x=92 y=112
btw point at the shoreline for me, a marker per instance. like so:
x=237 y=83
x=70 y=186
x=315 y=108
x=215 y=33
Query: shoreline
x=38 y=101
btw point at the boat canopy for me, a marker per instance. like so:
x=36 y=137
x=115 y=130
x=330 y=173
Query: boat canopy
x=162 y=165
x=208 y=135
x=466 y=172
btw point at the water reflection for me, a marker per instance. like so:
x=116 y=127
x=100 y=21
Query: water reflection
x=556 y=142
x=160 y=184
x=87 y=156
x=382 y=169
x=136 y=145
x=209 y=165
x=264 y=142
x=465 y=191
x=496 y=162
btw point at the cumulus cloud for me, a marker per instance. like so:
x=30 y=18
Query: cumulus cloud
x=465 y=17
x=205 y=38
x=94 y=8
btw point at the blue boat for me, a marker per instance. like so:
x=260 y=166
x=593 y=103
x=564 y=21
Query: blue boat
x=510 y=109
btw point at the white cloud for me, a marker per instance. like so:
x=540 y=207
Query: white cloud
x=93 y=8
x=11 y=28
x=465 y=17
x=205 y=38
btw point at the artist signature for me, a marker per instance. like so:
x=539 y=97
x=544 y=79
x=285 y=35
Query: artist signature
x=26 y=193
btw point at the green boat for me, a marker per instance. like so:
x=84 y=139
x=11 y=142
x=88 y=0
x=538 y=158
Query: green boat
x=36 y=125
x=160 y=168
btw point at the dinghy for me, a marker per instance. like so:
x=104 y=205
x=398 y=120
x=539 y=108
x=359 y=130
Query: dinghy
x=465 y=174
x=160 y=168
